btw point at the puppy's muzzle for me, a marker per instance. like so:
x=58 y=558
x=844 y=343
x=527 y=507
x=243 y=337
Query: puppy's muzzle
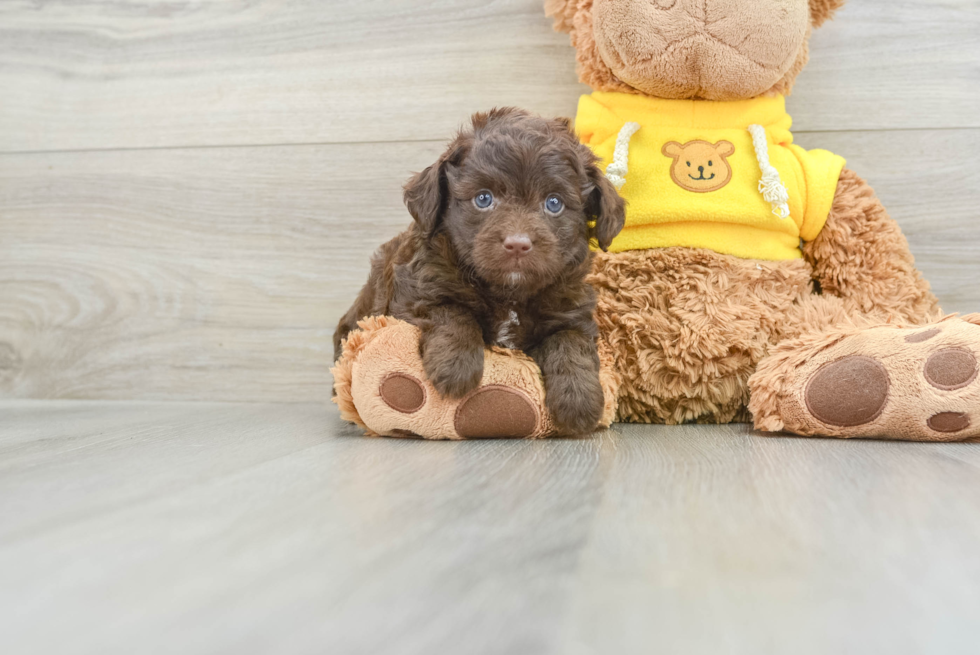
x=518 y=245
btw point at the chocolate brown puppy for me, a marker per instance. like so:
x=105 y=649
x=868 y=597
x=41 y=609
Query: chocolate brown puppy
x=498 y=255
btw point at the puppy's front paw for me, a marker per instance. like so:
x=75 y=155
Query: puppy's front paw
x=453 y=373
x=574 y=401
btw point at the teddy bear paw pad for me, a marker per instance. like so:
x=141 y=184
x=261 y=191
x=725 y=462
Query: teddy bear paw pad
x=402 y=392
x=848 y=392
x=919 y=337
x=496 y=411
x=949 y=422
x=950 y=368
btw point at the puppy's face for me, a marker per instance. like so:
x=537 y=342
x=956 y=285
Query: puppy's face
x=516 y=212
x=518 y=198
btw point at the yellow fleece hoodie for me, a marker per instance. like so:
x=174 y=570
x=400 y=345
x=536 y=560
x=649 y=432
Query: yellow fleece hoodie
x=694 y=172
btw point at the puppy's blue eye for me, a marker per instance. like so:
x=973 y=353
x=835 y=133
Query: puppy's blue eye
x=483 y=199
x=554 y=204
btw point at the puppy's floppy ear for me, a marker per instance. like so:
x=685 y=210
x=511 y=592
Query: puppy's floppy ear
x=823 y=10
x=425 y=196
x=603 y=204
x=427 y=193
x=564 y=124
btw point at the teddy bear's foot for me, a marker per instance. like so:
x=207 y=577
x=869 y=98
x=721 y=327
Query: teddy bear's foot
x=492 y=411
x=915 y=383
x=381 y=385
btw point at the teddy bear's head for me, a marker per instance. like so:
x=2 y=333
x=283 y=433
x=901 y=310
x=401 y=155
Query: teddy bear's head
x=707 y=49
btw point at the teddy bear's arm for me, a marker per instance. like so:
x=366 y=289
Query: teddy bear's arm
x=862 y=256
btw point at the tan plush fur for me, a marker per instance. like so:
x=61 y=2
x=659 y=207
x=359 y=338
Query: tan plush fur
x=719 y=50
x=684 y=49
x=862 y=256
x=592 y=70
x=823 y=10
x=562 y=12
x=785 y=85
x=576 y=18
x=687 y=327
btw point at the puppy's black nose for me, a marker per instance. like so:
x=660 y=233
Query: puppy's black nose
x=701 y=170
x=518 y=244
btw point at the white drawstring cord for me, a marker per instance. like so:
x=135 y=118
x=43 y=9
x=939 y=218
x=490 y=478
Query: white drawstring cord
x=617 y=169
x=770 y=186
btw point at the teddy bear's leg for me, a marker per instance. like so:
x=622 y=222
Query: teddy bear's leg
x=869 y=357
x=686 y=328
x=862 y=257
x=380 y=385
x=857 y=379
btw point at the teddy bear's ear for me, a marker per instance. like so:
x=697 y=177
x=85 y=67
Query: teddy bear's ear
x=672 y=149
x=823 y=10
x=563 y=13
x=725 y=148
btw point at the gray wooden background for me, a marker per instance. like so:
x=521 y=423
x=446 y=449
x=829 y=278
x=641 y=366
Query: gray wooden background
x=189 y=191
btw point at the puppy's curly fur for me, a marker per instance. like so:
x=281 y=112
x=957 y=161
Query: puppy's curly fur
x=453 y=274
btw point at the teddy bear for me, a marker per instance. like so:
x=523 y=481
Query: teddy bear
x=754 y=281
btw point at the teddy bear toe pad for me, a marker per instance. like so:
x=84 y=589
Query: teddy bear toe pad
x=496 y=411
x=402 y=392
x=850 y=391
x=888 y=382
x=950 y=369
x=949 y=422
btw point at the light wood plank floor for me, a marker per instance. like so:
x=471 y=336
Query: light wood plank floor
x=231 y=528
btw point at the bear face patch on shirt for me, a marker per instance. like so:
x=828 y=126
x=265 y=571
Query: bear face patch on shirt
x=700 y=166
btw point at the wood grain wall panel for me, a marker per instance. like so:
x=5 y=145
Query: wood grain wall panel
x=91 y=74
x=206 y=273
